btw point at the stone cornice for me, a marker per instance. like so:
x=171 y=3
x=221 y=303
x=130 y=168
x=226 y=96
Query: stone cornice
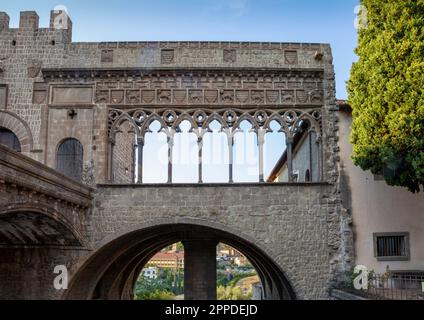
x=291 y=185
x=22 y=171
x=189 y=87
x=112 y=72
x=212 y=45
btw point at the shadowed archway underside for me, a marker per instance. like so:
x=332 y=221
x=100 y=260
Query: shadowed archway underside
x=35 y=229
x=111 y=271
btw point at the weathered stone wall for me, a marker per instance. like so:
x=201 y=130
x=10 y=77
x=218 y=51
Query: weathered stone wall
x=339 y=236
x=28 y=272
x=196 y=54
x=26 y=50
x=42 y=224
x=69 y=123
x=23 y=52
x=26 y=185
x=306 y=157
x=290 y=223
x=123 y=154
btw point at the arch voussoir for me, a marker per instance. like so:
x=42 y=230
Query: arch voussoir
x=113 y=267
x=19 y=127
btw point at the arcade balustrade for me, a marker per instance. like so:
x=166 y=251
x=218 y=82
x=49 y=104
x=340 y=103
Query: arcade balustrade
x=301 y=127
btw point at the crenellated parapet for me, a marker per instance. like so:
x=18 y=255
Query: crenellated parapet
x=60 y=25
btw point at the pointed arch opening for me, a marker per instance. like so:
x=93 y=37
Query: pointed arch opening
x=155 y=155
x=246 y=155
x=275 y=152
x=305 y=153
x=215 y=154
x=111 y=272
x=185 y=158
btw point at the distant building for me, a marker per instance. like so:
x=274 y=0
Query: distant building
x=174 y=248
x=171 y=260
x=305 y=155
x=227 y=252
x=150 y=273
x=240 y=261
x=387 y=221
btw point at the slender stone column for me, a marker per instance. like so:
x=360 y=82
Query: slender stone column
x=170 y=145
x=111 y=145
x=140 y=145
x=318 y=142
x=231 y=158
x=320 y=162
x=289 y=143
x=200 y=147
x=200 y=269
x=261 y=141
x=230 y=141
x=310 y=154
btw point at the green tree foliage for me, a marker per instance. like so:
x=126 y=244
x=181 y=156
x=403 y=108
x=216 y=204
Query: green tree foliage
x=168 y=284
x=155 y=295
x=386 y=92
x=222 y=279
x=229 y=289
x=233 y=293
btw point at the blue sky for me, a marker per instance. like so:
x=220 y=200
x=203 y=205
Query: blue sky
x=329 y=21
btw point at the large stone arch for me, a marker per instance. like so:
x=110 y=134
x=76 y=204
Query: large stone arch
x=32 y=243
x=36 y=225
x=111 y=271
x=19 y=127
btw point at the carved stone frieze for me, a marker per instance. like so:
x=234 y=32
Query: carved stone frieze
x=133 y=96
x=164 y=96
x=88 y=174
x=210 y=97
x=272 y=88
x=117 y=96
x=141 y=118
x=39 y=93
x=106 y=56
x=34 y=68
x=227 y=96
x=230 y=55
x=102 y=96
x=290 y=56
x=167 y=56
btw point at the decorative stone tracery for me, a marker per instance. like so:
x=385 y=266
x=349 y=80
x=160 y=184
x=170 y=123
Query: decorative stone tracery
x=290 y=121
x=212 y=89
x=228 y=95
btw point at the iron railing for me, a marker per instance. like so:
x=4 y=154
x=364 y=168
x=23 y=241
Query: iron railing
x=396 y=286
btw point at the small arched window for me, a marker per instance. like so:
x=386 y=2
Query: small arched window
x=70 y=158
x=9 y=139
x=307 y=176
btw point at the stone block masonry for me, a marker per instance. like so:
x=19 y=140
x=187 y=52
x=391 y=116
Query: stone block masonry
x=292 y=223
x=52 y=89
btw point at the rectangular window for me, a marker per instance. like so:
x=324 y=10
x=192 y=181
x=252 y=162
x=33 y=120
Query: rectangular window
x=391 y=246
